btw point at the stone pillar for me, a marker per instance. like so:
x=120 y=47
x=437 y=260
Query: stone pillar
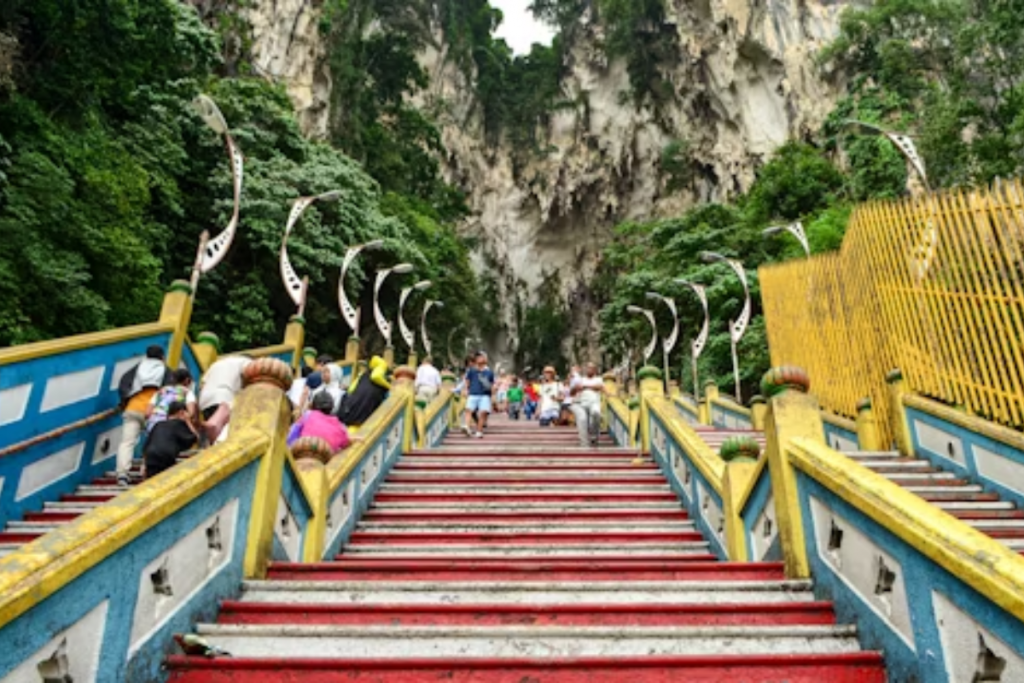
x=352 y=350
x=177 y=311
x=262 y=407
x=311 y=455
x=402 y=385
x=651 y=385
x=868 y=436
x=898 y=413
x=740 y=454
x=758 y=412
x=206 y=348
x=704 y=406
x=792 y=412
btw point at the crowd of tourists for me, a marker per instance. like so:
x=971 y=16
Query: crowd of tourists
x=548 y=398
x=163 y=410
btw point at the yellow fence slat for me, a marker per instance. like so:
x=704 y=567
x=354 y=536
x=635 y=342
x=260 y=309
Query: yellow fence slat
x=931 y=285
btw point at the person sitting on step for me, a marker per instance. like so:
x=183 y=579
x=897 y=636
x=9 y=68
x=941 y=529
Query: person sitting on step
x=369 y=391
x=168 y=440
x=319 y=422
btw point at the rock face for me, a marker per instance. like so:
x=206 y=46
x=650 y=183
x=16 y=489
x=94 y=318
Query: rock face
x=744 y=82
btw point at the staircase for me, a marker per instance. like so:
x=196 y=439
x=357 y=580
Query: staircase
x=521 y=558
x=56 y=513
x=983 y=510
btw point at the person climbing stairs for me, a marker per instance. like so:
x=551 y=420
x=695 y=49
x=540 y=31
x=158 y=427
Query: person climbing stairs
x=524 y=557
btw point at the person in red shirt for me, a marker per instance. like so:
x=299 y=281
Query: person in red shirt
x=531 y=399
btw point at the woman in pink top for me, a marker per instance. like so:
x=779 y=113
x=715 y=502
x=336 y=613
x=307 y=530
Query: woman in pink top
x=321 y=424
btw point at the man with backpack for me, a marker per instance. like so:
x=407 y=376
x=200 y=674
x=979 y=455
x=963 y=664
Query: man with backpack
x=136 y=389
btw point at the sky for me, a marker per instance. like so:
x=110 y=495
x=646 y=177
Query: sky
x=519 y=29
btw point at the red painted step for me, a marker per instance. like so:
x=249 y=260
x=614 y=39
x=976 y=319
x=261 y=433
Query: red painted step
x=415 y=467
x=539 y=454
x=539 y=481
x=854 y=667
x=526 y=537
x=535 y=571
x=745 y=614
x=400 y=515
x=54 y=516
x=987 y=514
x=89 y=498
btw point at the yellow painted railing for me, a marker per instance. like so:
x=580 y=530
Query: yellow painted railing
x=931 y=285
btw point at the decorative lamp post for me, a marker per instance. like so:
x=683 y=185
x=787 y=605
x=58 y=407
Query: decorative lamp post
x=423 y=323
x=739 y=326
x=649 y=314
x=295 y=286
x=451 y=357
x=667 y=343
x=382 y=324
x=796 y=230
x=904 y=143
x=349 y=312
x=698 y=344
x=212 y=252
x=408 y=335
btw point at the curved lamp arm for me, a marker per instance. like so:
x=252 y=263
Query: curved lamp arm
x=702 y=339
x=796 y=230
x=669 y=342
x=649 y=314
x=217 y=248
x=739 y=326
x=348 y=311
x=382 y=324
x=423 y=323
x=292 y=282
x=408 y=335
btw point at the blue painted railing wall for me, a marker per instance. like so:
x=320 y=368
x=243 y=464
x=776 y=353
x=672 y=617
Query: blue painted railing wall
x=759 y=525
x=724 y=416
x=293 y=516
x=839 y=438
x=43 y=394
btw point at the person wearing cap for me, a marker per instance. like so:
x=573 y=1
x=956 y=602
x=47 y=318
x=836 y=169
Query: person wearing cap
x=550 y=392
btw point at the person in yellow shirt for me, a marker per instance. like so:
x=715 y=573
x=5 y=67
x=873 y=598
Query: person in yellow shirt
x=136 y=389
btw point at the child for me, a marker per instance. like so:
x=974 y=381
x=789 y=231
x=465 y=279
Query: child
x=515 y=399
x=168 y=440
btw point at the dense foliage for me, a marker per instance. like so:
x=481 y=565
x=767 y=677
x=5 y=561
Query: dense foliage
x=107 y=179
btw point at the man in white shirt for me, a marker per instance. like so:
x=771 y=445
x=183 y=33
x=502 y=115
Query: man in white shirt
x=221 y=383
x=428 y=381
x=586 y=407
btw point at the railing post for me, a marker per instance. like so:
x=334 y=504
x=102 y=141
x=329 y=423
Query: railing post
x=448 y=381
x=352 y=350
x=206 y=348
x=389 y=356
x=402 y=385
x=792 y=412
x=308 y=357
x=262 y=407
x=898 y=413
x=421 y=422
x=650 y=386
x=413 y=360
x=740 y=455
x=294 y=336
x=704 y=407
x=311 y=455
x=177 y=311
x=611 y=388
x=868 y=436
x=758 y=412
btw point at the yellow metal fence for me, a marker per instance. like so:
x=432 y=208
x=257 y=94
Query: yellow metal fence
x=931 y=285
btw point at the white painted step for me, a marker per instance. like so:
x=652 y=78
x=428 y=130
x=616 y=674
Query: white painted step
x=481 y=447
x=527 y=526
x=969 y=488
x=91 y=489
x=364 y=641
x=469 y=463
x=911 y=476
x=43 y=527
x=72 y=506
x=538 y=550
x=527 y=592
x=868 y=455
x=973 y=505
x=995 y=523
x=906 y=463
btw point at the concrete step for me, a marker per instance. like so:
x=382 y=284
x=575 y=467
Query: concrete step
x=374 y=642
x=617 y=462
x=545 y=471
x=502 y=507
x=526 y=550
x=718 y=591
x=846 y=667
x=552 y=515
x=456 y=526
x=512 y=487
x=958 y=507
x=59 y=505
x=742 y=613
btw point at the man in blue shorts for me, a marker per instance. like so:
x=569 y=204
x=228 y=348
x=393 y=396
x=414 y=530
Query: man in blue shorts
x=479 y=387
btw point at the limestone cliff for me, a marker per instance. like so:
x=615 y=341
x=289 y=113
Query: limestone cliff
x=744 y=82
